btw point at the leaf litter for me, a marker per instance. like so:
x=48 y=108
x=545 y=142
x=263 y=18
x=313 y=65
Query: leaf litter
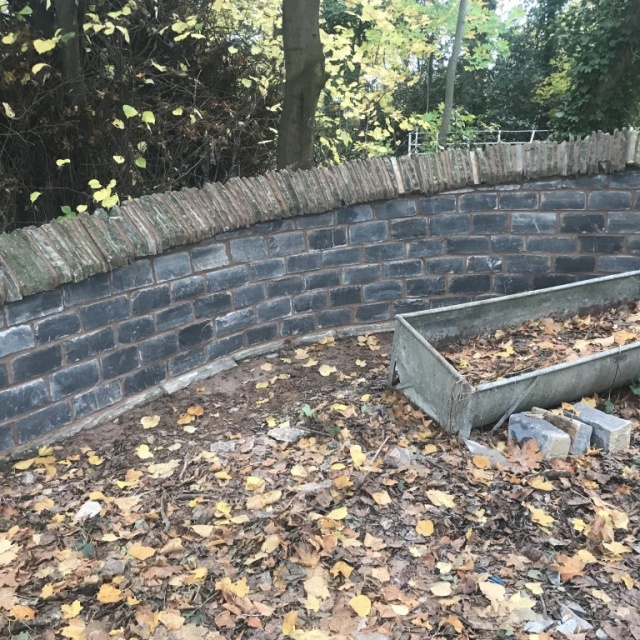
x=152 y=528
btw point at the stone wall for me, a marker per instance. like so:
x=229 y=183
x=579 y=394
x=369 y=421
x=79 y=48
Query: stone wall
x=70 y=353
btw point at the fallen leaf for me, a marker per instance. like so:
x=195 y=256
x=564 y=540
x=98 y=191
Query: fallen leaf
x=540 y=517
x=289 y=623
x=203 y=530
x=143 y=452
x=196 y=410
x=22 y=612
x=171 y=619
x=425 y=528
x=325 y=370
x=538 y=482
x=239 y=588
x=492 y=591
x=481 y=462
x=361 y=605
x=441 y=589
x=69 y=611
x=338 y=514
x=150 y=422
x=109 y=594
x=140 y=552
x=357 y=455
x=381 y=497
x=441 y=498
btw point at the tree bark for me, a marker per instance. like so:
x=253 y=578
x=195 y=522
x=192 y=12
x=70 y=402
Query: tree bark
x=304 y=79
x=451 y=74
x=71 y=53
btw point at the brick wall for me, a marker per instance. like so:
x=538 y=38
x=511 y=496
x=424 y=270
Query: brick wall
x=71 y=352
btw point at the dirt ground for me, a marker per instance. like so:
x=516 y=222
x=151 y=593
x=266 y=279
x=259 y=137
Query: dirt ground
x=295 y=496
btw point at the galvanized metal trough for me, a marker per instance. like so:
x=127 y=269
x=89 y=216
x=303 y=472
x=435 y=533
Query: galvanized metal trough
x=418 y=369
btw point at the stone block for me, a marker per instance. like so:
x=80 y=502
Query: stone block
x=89 y=345
x=4 y=377
x=249 y=295
x=96 y=399
x=469 y=245
x=543 y=244
x=610 y=433
x=225 y=279
x=425 y=248
x=625 y=180
x=384 y=290
x=369 y=232
x=334 y=318
x=609 y=200
x=225 y=347
x=322 y=280
x=212 y=305
x=424 y=287
x=286 y=244
x=36 y=363
x=70 y=381
x=327 y=238
x=145 y=378
x=562 y=200
x=451 y=264
x=136 y=329
x=264 y=333
x=510 y=283
x=454 y=224
x=39 y=423
x=212 y=256
x=315 y=221
x=35 y=306
x=310 y=301
x=507 y=244
x=22 y=398
x=602 y=244
x=490 y=223
x=473 y=285
x=170 y=266
x=158 y=348
x=248 y=249
x=582 y=223
x=357 y=213
x=307 y=261
x=386 y=251
x=525 y=263
x=413 y=228
x=624 y=222
x=343 y=296
x=87 y=290
x=297 y=325
x=398 y=208
x=273 y=309
x=373 y=313
x=120 y=362
x=362 y=274
x=53 y=328
x=478 y=201
x=437 y=204
x=618 y=264
x=175 y=316
x=533 y=222
x=579 y=432
x=553 y=442
x=15 y=339
x=106 y=312
x=132 y=276
x=403 y=269
x=410 y=306
x=286 y=287
x=195 y=335
x=235 y=321
x=575 y=264
x=149 y=299
x=482 y=264
x=187 y=361
x=187 y=288
x=551 y=280
x=520 y=200
x=273 y=268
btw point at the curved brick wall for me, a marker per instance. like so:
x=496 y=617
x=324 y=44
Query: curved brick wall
x=70 y=353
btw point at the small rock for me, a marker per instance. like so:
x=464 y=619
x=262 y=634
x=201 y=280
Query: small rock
x=572 y=624
x=553 y=442
x=287 y=434
x=399 y=457
x=227 y=446
x=28 y=478
x=540 y=624
x=89 y=509
x=113 y=567
x=495 y=457
x=314 y=487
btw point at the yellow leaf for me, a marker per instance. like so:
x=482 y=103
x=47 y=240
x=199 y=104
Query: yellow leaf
x=289 y=623
x=150 y=422
x=589 y=402
x=271 y=422
x=382 y=498
x=197 y=575
x=42 y=46
x=253 y=483
x=62 y=161
x=492 y=591
x=75 y=630
x=118 y=159
x=338 y=514
x=301 y=354
x=441 y=498
x=266 y=366
x=22 y=613
x=540 y=517
x=69 y=611
x=9 y=112
x=325 y=370
x=109 y=594
x=47 y=591
x=430 y=448
x=455 y=623
x=263 y=500
x=400 y=609
x=586 y=556
x=481 y=462
x=361 y=363
x=95 y=460
x=47 y=503
x=143 y=452
x=185 y=418
x=342 y=568
x=203 y=530
x=270 y=544
x=534 y=587
x=163 y=469
x=239 y=588
x=23 y=465
x=441 y=589
x=538 y=482
x=616 y=548
x=425 y=528
x=579 y=525
x=262 y=385
x=357 y=455
x=172 y=619
x=140 y=552
x=361 y=605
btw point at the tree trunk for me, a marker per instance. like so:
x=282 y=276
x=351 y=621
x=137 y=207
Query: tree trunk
x=71 y=53
x=304 y=79
x=451 y=74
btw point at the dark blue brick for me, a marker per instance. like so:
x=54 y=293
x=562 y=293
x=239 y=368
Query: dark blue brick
x=490 y=223
x=315 y=221
x=225 y=347
x=609 y=200
x=575 y=264
x=522 y=264
x=25 y=397
x=551 y=245
x=212 y=304
x=473 y=244
x=273 y=226
x=518 y=200
x=248 y=249
x=174 y=316
x=618 y=264
x=625 y=180
x=37 y=363
x=120 y=362
x=322 y=280
x=511 y=283
x=482 y=264
x=339 y=257
x=249 y=295
x=310 y=301
x=297 y=325
x=96 y=399
x=542 y=185
x=454 y=224
x=87 y=290
x=187 y=361
x=285 y=244
x=4 y=376
x=470 y=284
x=6 y=437
x=207 y=257
x=334 y=318
x=478 y=202
x=235 y=321
x=633 y=245
x=56 y=327
x=357 y=213
x=562 y=200
x=273 y=268
x=327 y=238
x=227 y=279
x=136 y=329
x=101 y=313
x=150 y=299
x=445 y=265
x=132 y=276
x=259 y=335
x=343 y=296
x=399 y=208
x=410 y=306
x=601 y=244
x=426 y=248
x=379 y=291
x=187 y=288
x=421 y=287
x=586 y=182
x=624 y=222
x=386 y=251
x=368 y=232
x=158 y=348
x=437 y=204
x=362 y=274
x=403 y=269
x=373 y=313
x=195 y=335
x=582 y=223
x=41 y=422
x=551 y=280
x=286 y=286
x=36 y=306
x=305 y=262
x=414 y=228
x=533 y=222
x=145 y=378
x=89 y=345
x=15 y=339
x=74 y=379
x=273 y=309
x=171 y=266
x=507 y=244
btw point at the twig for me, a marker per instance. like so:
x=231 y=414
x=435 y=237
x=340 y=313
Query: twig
x=163 y=514
x=520 y=397
x=366 y=475
x=184 y=466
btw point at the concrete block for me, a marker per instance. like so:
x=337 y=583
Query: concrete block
x=553 y=442
x=579 y=432
x=610 y=433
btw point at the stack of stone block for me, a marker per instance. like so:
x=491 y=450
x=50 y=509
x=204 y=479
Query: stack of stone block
x=572 y=432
